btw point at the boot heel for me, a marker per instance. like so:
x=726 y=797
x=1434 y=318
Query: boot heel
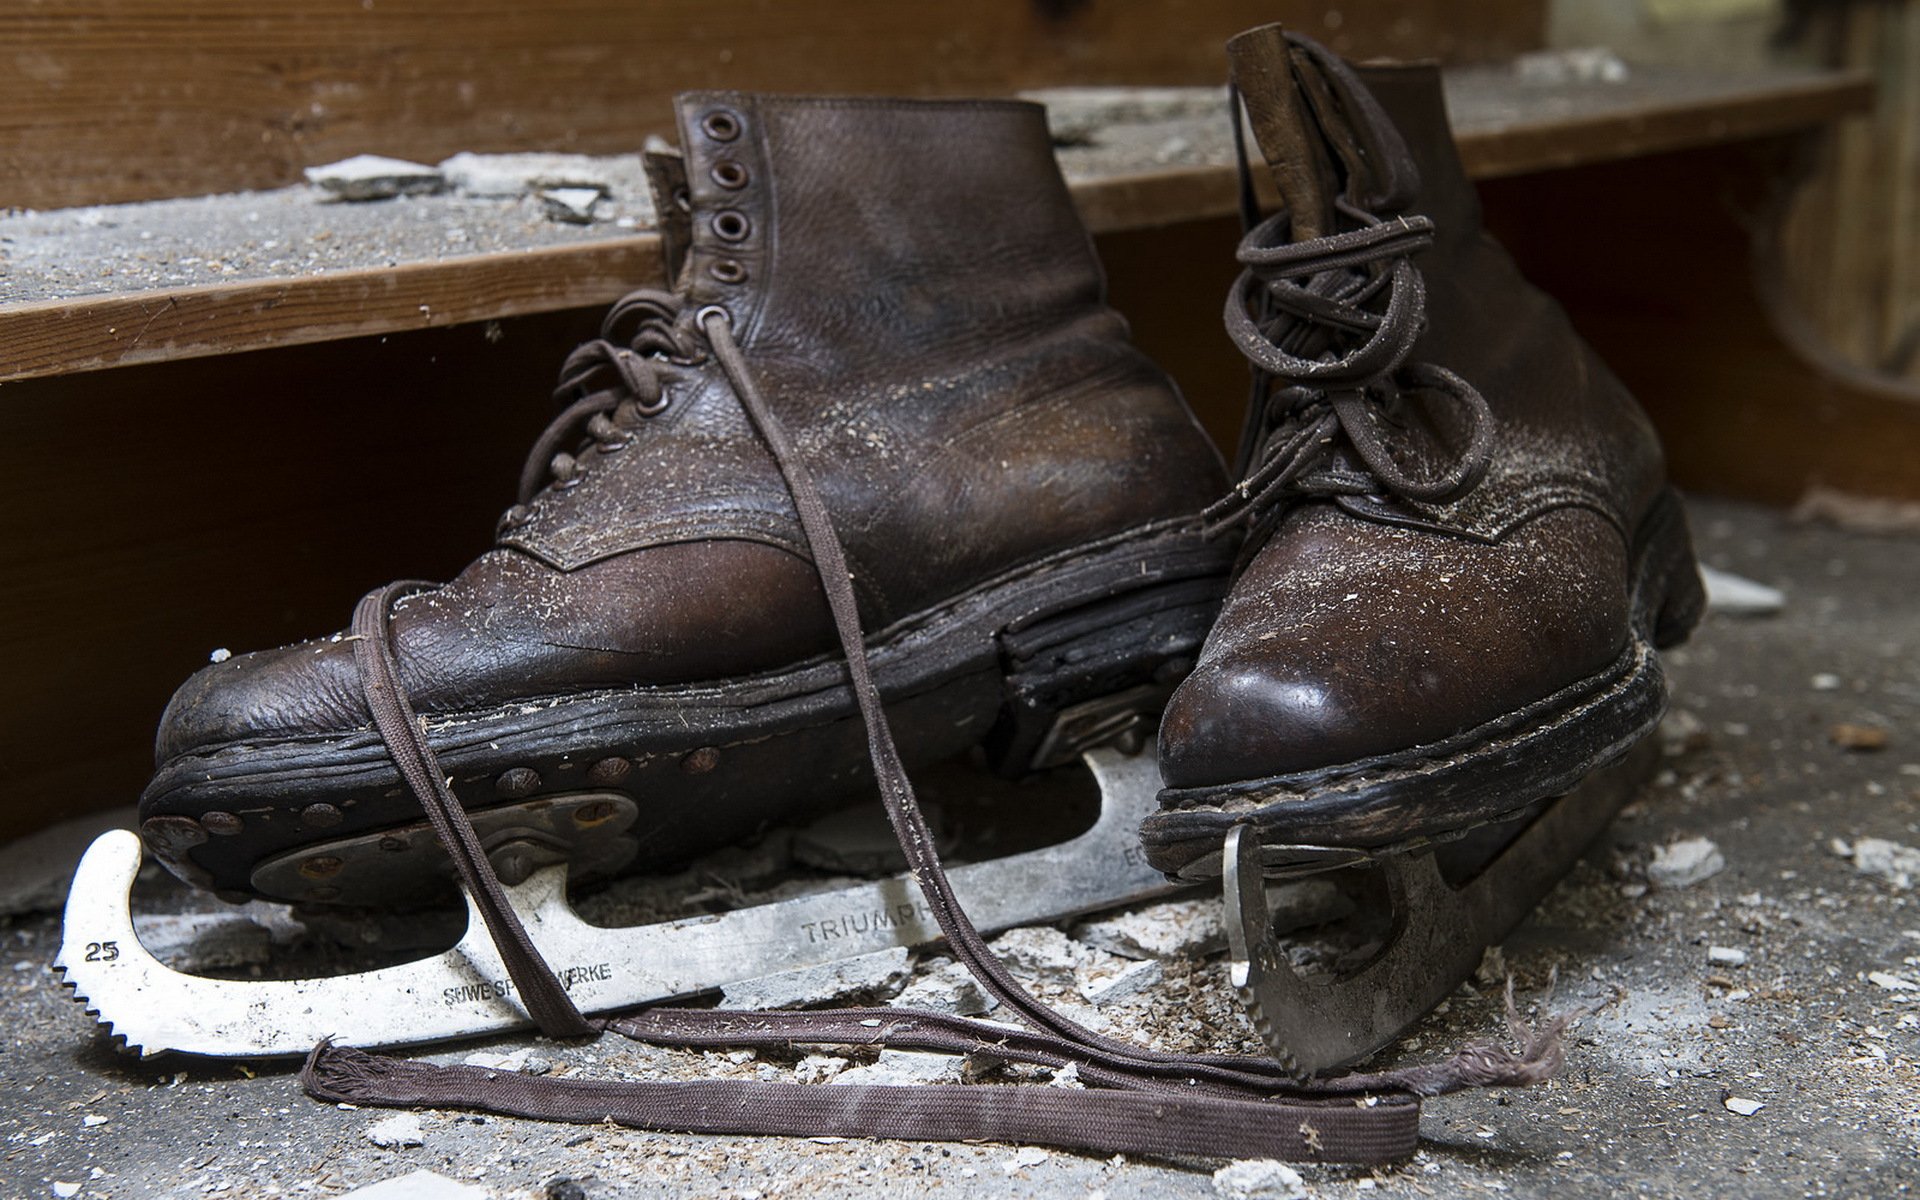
x=1670 y=578
x=1096 y=674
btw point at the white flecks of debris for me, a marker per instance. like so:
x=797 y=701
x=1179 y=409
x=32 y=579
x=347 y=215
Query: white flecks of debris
x=1892 y=982
x=220 y=655
x=1131 y=980
x=818 y=1068
x=1258 y=1179
x=502 y=175
x=1891 y=861
x=1825 y=681
x=1684 y=863
x=418 y=1185
x=1739 y=596
x=1741 y=1106
x=521 y=1061
x=1578 y=64
x=1681 y=732
x=1026 y=1156
x=907 y=1067
x=1726 y=956
x=946 y=988
x=879 y=973
x=1178 y=927
x=573 y=206
x=397 y=1132
x=65 y=1190
x=1041 y=953
x=375 y=177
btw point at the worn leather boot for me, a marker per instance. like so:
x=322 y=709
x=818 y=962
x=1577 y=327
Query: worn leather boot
x=643 y=665
x=1462 y=551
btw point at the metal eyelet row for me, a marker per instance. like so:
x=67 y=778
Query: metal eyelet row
x=729 y=224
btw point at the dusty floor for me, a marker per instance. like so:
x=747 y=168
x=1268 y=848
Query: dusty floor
x=1820 y=1023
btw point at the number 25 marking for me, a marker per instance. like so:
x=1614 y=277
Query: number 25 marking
x=102 y=951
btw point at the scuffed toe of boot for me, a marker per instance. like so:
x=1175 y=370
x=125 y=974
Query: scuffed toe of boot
x=1368 y=685
x=294 y=691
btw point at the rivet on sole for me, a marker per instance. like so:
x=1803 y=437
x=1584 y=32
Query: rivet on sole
x=172 y=833
x=320 y=816
x=609 y=771
x=321 y=866
x=515 y=782
x=225 y=824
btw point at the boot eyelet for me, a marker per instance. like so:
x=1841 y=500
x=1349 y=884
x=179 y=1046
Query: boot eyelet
x=651 y=410
x=721 y=125
x=729 y=174
x=728 y=270
x=617 y=445
x=731 y=225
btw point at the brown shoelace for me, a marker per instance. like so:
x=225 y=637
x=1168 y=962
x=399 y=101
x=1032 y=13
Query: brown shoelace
x=1334 y=320
x=1139 y=1101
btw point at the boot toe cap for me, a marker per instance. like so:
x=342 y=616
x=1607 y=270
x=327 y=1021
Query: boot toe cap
x=304 y=689
x=1336 y=651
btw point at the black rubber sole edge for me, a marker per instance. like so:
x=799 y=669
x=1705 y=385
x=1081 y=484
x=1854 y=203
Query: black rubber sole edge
x=711 y=764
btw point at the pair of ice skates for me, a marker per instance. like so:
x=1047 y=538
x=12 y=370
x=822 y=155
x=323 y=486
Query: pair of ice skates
x=881 y=480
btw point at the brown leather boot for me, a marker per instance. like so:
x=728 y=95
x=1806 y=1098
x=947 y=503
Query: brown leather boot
x=643 y=665
x=1462 y=550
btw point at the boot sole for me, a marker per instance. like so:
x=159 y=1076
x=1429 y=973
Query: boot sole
x=1436 y=792
x=1033 y=666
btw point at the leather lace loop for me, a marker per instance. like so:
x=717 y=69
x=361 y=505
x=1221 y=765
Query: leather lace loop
x=1334 y=319
x=612 y=383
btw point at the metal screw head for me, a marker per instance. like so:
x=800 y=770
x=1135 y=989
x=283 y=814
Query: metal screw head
x=513 y=862
x=599 y=812
x=172 y=833
x=699 y=762
x=517 y=781
x=321 y=816
x=225 y=824
x=321 y=866
x=608 y=771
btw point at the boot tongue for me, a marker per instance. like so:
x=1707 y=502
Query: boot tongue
x=666 y=171
x=1322 y=133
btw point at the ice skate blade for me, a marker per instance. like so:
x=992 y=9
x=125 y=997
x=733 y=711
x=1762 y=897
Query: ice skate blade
x=1437 y=937
x=466 y=991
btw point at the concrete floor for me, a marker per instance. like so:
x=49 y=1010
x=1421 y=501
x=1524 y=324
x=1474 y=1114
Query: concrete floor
x=1820 y=1024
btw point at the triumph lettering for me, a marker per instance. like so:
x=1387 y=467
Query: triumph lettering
x=854 y=924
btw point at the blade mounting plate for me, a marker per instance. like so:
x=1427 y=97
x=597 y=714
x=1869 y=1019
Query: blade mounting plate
x=465 y=991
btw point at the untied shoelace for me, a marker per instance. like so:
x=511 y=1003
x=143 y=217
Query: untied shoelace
x=1140 y=1101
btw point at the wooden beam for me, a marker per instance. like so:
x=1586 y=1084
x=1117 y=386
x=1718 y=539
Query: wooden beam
x=61 y=337
x=1497 y=137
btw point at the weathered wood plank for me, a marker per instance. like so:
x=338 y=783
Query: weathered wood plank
x=58 y=337
x=115 y=100
x=1503 y=129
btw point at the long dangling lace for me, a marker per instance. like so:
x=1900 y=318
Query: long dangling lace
x=1142 y=1101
